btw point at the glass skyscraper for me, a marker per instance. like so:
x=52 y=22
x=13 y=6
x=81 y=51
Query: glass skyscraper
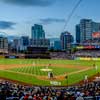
x=38 y=37
x=66 y=40
x=85 y=29
x=78 y=33
x=37 y=32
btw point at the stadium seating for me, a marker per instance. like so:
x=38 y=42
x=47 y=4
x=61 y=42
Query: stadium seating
x=87 y=53
x=14 y=91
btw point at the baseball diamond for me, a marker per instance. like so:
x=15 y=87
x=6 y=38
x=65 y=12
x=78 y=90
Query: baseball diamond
x=35 y=71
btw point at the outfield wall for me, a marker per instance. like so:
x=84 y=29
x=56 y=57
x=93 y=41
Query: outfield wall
x=86 y=58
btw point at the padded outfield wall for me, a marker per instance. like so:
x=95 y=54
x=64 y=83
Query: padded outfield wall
x=86 y=58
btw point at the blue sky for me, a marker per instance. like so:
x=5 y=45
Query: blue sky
x=17 y=16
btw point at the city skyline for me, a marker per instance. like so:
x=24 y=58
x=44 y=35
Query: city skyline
x=18 y=16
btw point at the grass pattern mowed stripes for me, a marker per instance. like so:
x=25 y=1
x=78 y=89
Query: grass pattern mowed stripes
x=35 y=70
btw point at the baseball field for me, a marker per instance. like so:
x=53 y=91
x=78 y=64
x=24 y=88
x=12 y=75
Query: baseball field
x=35 y=71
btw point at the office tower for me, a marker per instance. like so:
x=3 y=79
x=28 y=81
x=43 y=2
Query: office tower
x=39 y=43
x=78 y=33
x=57 y=45
x=85 y=29
x=24 y=42
x=96 y=27
x=66 y=40
x=37 y=32
x=3 y=45
x=38 y=37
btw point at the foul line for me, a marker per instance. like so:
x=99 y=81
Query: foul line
x=42 y=76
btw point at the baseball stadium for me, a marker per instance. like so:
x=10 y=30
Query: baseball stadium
x=39 y=73
x=46 y=61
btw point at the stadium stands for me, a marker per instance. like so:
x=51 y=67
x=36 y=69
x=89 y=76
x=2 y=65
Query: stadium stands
x=59 y=55
x=89 y=48
x=87 y=53
x=12 y=91
x=37 y=52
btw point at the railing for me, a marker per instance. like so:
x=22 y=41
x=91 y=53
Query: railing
x=85 y=98
x=92 y=98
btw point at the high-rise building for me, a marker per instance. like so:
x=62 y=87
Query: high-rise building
x=37 y=32
x=57 y=45
x=39 y=43
x=24 y=42
x=16 y=45
x=66 y=40
x=96 y=27
x=85 y=29
x=38 y=47
x=78 y=33
x=38 y=37
x=3 y=45
x=52 y=42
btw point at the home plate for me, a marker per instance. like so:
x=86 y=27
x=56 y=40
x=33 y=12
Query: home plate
x=46 y=70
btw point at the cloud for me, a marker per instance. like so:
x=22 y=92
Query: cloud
x=51 y=20
x=6 y=25
x=29 y=2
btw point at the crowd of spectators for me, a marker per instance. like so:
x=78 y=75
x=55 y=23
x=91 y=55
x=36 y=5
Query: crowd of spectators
x=87 y=53
x=14 y=91
x=94 y=41
x=59 y=55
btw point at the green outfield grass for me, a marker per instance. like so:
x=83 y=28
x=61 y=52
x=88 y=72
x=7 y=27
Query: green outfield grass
x=37 y=70
x=31 y=71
